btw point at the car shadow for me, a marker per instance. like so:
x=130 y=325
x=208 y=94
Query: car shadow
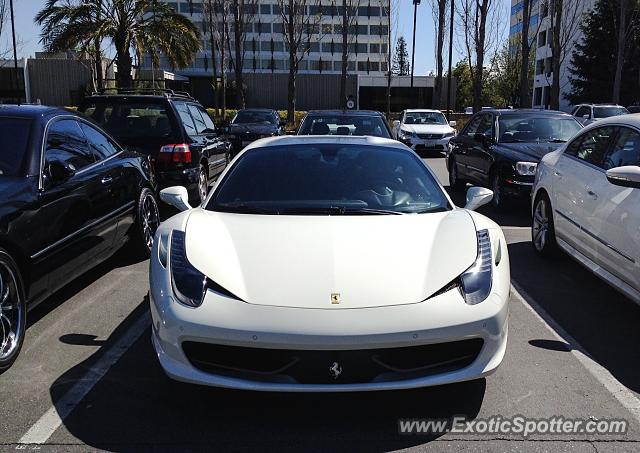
x=125 y=256
x=602 y=320
x=135 y=407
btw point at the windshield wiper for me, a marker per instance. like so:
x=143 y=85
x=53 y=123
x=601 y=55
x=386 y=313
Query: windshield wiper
x=242 y=208
x=337 y=210
x=366 y=211
x=556 y=140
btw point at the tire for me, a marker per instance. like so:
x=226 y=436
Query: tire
x=455 y=183
x=147 y=221
x=13 y=311
x=500 y=200
x=543 y=233
x=203 y=185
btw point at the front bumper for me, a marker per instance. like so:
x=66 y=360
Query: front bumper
x=518 y=186
x=222 y=321
x=419 y=144
x=187 y=177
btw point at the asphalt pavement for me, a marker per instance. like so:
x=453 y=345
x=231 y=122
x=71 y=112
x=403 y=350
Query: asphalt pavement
x=88 y=379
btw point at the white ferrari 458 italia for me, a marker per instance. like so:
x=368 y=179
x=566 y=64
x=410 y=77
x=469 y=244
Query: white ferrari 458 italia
x=328 y=264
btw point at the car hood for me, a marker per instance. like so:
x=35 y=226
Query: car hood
x=257 y=128
x=428 y=128
x=300 y=261
x=530 y=151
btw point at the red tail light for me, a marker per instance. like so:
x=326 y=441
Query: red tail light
x=176 y=153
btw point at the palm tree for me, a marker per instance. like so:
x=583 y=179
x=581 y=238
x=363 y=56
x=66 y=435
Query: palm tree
x=141 y=26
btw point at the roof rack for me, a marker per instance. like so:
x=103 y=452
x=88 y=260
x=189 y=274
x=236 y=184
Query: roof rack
x=166 y=92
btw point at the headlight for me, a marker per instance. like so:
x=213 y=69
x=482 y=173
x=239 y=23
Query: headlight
x=189 y=285
x=476 y=281
x=407 y=134
x=526 y=168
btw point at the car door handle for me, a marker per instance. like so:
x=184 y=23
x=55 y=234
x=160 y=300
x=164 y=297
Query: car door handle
x=557 y=173
x=106 y=180
x=592 y=194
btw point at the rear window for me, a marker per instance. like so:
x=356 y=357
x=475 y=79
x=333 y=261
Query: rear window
x=357 y=125
x=14 y=139
x=131 y=119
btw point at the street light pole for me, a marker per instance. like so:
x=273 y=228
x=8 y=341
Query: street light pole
x=413 y=48
x=453 y=10
x=15 y=52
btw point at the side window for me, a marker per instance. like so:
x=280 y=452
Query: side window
x=101 y=146
x=472 y=128
x=66 y=143
x=486 y=125
x=197 y=118
x=592 y=146
x=625 y=149
x=186 y=119
x=208 y=122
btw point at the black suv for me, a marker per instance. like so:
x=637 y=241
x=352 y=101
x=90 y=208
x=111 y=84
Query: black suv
x=171 y=127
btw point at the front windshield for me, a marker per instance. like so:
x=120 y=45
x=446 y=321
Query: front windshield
x=535 y=129
x=606 y=112
x=358 y=125
x=254 y=117
x=328 y=179
x=425 y=118
x=14 y=139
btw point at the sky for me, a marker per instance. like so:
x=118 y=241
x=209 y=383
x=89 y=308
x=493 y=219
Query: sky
x=29 y=34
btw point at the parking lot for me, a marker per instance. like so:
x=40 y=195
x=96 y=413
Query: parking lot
x=88 y=378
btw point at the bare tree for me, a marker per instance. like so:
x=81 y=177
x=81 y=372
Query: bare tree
x=525 y=51
x=566 y=17
x=349 y=14
x=242 y=13
x=439 y=9
x=298 y=31
x=210 y=12
x=627 y=12
x=479 y=28
x=3 y=20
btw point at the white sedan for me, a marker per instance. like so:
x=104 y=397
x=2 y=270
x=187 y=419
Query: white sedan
x=586 y=200
x=328 y=264
x=424 y=130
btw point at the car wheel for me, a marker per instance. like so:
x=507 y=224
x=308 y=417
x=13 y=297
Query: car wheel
x=147 y=221
x=13 y=311
x=543 y=234
x=203 y=184
x=500 y=199
x=455 y=183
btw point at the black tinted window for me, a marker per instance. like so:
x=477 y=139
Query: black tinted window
x=472 y=127
x=312 y=177
x=187 y=121
x=358 y=125
x=14 y=139
x=66 y=143
x=254 y=117
x=126 y=120
x=99 y=143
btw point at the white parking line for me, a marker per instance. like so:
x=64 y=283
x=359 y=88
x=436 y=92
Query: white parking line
x=44 y=428
x=625 y=396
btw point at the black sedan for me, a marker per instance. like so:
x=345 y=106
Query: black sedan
x=501 y=149
x=70 y=196
x=252 y=124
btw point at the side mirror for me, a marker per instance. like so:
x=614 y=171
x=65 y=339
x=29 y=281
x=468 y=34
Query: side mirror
x=585 y=117
x=176 y=196
x=485 y=140
x=396 y=123
x=628 y=176
x=452 y=123
x=60 y=171
x=478 y=196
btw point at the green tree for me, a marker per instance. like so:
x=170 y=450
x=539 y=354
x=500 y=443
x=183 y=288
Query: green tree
x=139 y=26
x=464 y=87
x=592 y=71
x=401 y=64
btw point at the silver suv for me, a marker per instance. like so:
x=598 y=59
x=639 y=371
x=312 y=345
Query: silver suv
x=588 y=113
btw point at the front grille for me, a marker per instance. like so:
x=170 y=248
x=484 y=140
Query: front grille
x=431 y=136
x=321 y=367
